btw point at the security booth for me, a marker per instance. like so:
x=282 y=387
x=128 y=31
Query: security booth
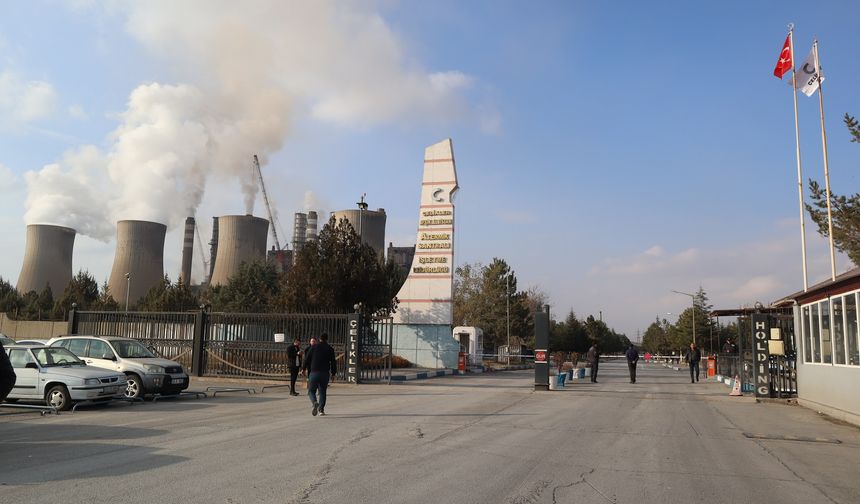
x=471 y=341
x=764 y=359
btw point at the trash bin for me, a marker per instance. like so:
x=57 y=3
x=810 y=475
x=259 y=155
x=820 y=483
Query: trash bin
x=712 y=366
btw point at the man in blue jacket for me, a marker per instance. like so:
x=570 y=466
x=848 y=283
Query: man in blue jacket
x=632 y=358
x=320 y=363
x=694 y=355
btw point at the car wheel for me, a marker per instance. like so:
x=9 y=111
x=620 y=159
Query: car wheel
x=134 y=388
x=58 y=397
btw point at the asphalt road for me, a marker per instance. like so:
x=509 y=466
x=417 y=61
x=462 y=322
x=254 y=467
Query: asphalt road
x=484 y=438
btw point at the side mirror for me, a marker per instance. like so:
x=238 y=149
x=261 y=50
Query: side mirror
x=31 y=365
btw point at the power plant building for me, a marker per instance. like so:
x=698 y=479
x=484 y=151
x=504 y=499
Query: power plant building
x=401 y=256
x=47 y=259
x=370 y=226
x=241 y=238
x=138 y=263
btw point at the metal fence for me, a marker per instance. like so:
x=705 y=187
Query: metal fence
x=375 y=350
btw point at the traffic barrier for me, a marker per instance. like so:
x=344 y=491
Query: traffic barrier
x=736 y=388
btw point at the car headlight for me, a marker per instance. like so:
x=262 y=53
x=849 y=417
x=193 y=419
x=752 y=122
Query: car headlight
x=152 y=368
x=92 y=381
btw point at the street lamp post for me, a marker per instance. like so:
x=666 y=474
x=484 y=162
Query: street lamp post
x=693 y=298
x=127 y=289
x=508 y=313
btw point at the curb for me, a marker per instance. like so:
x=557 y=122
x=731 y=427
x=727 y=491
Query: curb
x=425 y=375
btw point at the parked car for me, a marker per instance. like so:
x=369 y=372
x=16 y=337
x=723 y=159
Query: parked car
x=6 y=340
x=32 y=342
x=146 y=373
x=59 y=378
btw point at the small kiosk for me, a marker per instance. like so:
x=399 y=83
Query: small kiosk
x=471 y=341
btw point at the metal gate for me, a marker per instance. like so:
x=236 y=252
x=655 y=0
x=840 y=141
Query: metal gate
x=375 y=350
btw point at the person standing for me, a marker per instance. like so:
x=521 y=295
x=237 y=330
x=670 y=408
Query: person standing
x=593 y=357
x=320 y=363
x=632 y=358
x=7 y=374
x=693 y=357
x=294 y=361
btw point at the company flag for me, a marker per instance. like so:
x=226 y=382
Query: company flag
x=807 y=79
x=784 y=64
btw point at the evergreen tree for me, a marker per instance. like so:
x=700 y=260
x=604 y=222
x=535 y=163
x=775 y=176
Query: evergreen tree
x=82 y=291
x=253 y=289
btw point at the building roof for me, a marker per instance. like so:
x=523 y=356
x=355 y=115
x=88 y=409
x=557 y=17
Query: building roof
x=848 y=281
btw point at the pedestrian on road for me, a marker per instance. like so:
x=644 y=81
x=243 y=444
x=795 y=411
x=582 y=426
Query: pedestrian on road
x=593 y=357
x=693 y=357
x=729 y=347
x=294 y=361
x=320 y=363
x=632 y=358
x=7 y=374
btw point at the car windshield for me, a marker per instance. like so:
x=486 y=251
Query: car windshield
x=129 y=349
x=56 y=356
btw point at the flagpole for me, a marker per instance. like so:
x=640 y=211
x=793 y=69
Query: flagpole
x=826 y=168
x=797 y=155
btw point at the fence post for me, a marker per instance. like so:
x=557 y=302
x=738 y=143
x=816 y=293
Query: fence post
x=197 y=349
x=73 y=320
x=355 y=328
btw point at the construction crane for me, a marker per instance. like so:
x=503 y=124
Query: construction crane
x=266 y=200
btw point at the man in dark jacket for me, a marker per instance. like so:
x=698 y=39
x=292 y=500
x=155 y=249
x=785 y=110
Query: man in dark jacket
x=593 y=357
x=294 y=361
x=7 y=374
x=693 y=357
x=320 y=363
x=632 y=358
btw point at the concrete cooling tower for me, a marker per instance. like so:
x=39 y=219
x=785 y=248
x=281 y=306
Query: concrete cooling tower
x=241 y=238
x=47 y=259
x=139 y=254
x=369 y=224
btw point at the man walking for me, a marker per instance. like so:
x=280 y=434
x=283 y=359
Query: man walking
x=632 y=358
x=593 y=357
x=693 y=357
x=7 y=374
x=294 y=361
x=320 y=363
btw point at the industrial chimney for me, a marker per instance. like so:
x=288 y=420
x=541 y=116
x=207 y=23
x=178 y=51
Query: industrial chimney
x=187 y=251
x=300 y=229
x=139 y=261
x=241 y=238
x=311 y=233
x=47 y=259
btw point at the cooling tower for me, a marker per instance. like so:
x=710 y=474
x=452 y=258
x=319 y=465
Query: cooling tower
x=241 y=238
x=369 y=224
x=139 y=254
x=311 y=233
x=187 y=251
x=47 y=259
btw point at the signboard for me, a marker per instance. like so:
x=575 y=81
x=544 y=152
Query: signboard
x=761 y=368
x=352 y=349
x=540 y=356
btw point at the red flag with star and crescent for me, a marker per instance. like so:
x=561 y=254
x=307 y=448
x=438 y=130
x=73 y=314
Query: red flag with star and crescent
x=785 y=63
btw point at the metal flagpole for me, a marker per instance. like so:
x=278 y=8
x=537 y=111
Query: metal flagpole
x=797 y=154
x=826 y=169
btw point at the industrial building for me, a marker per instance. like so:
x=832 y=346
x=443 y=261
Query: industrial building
x=138 y=263
x=240 y=238
x=47 y=259
x=401 y=256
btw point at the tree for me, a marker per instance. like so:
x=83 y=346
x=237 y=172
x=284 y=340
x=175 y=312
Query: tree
x=106 y=302
x=844 y=209
x=10 y=300
x=82 y=291
x=337 y=272
x=253 y=289
x=167 y=296
x=37 y=306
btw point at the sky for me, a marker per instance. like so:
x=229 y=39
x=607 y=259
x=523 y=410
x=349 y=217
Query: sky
x=610 y=152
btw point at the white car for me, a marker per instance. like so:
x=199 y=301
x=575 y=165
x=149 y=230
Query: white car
x=146 y=373
x=57 y=377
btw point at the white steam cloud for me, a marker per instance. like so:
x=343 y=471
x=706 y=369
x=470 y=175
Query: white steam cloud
x=241 y=68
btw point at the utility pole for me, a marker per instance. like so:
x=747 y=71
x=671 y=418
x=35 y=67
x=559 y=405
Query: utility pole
x=127 y=289
x=508 y=311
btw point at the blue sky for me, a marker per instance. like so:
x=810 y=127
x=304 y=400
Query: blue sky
x=609 y=151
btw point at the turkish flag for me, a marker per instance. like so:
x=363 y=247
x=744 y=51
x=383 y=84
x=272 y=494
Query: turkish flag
x=785 y=62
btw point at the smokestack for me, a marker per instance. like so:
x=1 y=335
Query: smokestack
x=187 y=251
x=241 y=238
x=139 y=254
x=300 y=229
x=311 y=233
x=213 y=247
x=47 y=259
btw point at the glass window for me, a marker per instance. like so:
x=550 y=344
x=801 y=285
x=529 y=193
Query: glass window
x=838 y=334
x=815 y=334
x=78 y=347
x=19 y=357
x=807 y=334
x=826 y=337
x=100 y=350
x=851 y=330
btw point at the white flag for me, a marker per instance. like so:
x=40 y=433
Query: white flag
x=807 y=80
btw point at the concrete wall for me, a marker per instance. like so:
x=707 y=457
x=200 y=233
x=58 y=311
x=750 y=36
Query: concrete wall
x=425 y=345
x=830 y=389
x=31 y=329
